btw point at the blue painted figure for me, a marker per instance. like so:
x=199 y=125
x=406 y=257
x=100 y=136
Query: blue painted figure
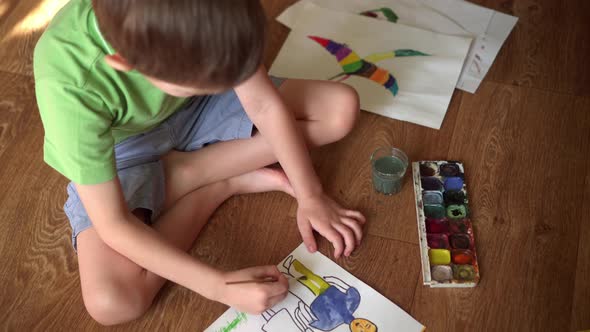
x=335 y=303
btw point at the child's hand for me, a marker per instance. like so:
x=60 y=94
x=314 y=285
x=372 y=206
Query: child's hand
x=343 y=228
x=253 y=298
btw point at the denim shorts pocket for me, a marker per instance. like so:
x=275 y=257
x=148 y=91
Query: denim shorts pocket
x=73 y=200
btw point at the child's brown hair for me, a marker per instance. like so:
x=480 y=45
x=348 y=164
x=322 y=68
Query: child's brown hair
x=206 y=43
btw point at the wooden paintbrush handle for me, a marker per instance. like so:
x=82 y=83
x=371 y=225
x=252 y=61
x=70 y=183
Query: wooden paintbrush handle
x=253 y=281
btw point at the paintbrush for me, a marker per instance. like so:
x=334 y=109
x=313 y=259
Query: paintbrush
x=253 y=281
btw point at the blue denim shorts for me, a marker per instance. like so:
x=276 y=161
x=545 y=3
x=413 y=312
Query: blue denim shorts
x=204 y=120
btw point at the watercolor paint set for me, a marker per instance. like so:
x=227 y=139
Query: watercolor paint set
x=447 y=244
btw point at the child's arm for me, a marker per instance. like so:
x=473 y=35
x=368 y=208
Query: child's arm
x=277 y=124
x=124 y=233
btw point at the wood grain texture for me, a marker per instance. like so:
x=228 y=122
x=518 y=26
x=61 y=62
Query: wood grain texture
x=548 y=47
x=580 y=319
x=20 y=27
x=16 y=108
x=517 y=144
x=525 y=133
x=34 y=234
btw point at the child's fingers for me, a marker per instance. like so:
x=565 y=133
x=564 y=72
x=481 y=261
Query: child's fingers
x=348 y=236
x=356 y=228
x=276 y=300
x=307 y=235
x=335 y=238
x=279 y=288
x=355 y=215
x=266 y=271
x=284 y=280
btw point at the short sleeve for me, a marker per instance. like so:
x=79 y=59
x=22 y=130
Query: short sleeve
x=78 y=139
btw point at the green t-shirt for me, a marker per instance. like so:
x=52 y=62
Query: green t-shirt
x=86 y=106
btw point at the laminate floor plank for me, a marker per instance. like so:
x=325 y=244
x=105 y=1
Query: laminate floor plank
x=524 y=138
x=525 y=172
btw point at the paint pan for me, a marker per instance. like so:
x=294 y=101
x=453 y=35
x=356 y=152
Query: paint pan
x=428 y=169
x=453 y=183
x=449 y=169
x=438 y=241
x=460 y=241
x=437 y=226
x=432 y=183
x=442 y=273
x=459 y=226
x=445 y=226
x=456 y=211
x=460 y=256
x=440 y=256
x=432 y=197
x=465 y=273
x=454 y=197
x=435 y=211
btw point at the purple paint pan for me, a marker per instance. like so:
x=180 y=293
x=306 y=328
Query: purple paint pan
x=432 y=183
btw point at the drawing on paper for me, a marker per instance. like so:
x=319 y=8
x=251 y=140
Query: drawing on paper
x=334 y=304
x=488 y=27
x=322 y=297
x=382 y=13
x=231 y=326
x=353 y=64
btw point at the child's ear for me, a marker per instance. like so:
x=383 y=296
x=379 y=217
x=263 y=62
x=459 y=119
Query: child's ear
x=118 y=62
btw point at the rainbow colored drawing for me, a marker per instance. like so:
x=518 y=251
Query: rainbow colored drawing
x=353 y=64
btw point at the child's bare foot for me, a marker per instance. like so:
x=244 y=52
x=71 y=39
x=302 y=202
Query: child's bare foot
x=262 y=180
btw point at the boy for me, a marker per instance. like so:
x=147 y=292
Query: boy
x=158 y=111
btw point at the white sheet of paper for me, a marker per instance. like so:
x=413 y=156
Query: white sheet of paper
x=426 y=83
x=299 y=313
x=454 y=17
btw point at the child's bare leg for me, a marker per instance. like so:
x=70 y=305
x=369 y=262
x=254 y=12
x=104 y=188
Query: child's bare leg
x=325 y=111
x=116 y=290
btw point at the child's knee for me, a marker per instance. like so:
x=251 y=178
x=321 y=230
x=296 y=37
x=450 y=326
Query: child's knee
x=115 y=305
x=347 y=110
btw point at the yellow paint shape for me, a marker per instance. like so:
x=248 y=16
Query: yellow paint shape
x=351 y=58
x=439 y=256
x=380 y=56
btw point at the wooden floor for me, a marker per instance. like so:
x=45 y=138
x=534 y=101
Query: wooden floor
x=524 y=137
